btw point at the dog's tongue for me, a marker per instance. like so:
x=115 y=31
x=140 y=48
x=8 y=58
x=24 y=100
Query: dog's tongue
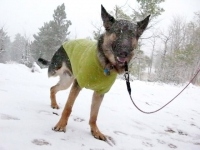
x=122 y=60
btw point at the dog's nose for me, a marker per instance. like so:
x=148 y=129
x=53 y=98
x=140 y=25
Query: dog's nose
x=123 y=54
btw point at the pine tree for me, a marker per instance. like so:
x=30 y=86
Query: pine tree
x=4 y=44
x=20 y=49
x=118 y=13
x=147 y=7
x=51 y=35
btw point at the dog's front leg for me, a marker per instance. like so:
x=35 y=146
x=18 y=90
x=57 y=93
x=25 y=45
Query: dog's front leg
x=96 y=102
x=61 y=125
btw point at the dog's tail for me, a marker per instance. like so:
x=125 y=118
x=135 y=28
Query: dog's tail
x=59 y=58
x=51 y=68
x=44 y=62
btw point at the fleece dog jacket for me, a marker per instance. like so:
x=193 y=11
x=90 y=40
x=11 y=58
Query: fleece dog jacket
x=86 y=66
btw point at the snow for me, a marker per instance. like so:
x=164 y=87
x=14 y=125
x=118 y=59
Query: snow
x=35 y=67
x=26 y=118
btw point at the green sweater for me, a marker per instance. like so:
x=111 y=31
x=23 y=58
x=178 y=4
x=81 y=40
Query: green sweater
x=86 y=66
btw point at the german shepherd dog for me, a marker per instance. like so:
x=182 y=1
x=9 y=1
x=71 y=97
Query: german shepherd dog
x=114 y=48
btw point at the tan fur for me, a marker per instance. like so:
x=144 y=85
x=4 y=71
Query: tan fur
x=108 y=39
x=134 y=43
x=96 y=103
x=61 y=125
x=64 y=83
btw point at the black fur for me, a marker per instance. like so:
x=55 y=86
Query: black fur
x=44 y=62
x=57 y=60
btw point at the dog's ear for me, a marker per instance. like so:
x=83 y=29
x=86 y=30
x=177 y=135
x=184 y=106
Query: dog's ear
x=108 y=20
x=141 y=26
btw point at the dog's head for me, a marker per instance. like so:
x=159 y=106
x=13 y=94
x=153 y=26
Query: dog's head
x=121 y=38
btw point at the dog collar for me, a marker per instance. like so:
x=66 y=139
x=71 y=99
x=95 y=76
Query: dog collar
x=107 y=70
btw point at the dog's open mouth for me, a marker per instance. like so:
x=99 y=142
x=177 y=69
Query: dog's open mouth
x=121 y=60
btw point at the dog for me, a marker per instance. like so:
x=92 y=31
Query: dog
x=93 y=65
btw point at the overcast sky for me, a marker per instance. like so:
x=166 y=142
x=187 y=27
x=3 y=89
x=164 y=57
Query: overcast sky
x=26 y=16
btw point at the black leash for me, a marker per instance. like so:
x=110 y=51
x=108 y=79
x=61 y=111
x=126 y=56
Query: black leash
x=126 y=75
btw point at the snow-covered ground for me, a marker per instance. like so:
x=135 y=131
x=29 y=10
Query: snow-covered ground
x=26 y=117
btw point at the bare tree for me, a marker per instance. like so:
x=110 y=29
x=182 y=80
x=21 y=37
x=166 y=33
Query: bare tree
x=181 y=51
x=98 y=30
x=153 y=41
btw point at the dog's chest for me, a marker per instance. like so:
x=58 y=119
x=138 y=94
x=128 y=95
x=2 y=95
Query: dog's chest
x=86 y=67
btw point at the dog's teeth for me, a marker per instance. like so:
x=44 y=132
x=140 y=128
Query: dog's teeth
x=122 y=60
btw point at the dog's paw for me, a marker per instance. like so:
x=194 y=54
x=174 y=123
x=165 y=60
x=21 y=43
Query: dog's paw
x=60 y=127
x=98 y=135
x=54 y=106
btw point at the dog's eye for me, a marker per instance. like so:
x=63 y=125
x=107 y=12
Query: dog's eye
x=131 y=33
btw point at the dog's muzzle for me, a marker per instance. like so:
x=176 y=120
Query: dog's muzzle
x=122 y=58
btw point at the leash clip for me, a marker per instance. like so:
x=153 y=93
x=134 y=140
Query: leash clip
x=126 y=73
x=126 y=76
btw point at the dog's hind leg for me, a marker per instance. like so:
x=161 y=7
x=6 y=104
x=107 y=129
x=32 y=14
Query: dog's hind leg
x=61 y=125
x=96 y=103
x=65 y=81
